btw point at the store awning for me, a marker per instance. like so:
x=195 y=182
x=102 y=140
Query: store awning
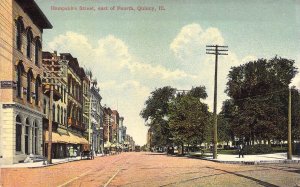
x=67 y=139
x=78 y=139
x=56 y=138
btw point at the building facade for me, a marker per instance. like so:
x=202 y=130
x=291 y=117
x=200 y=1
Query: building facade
x=96 y=118
x=122 y=133
x=115 y=127
x=59 y=107
x=21 y=28
x=107 y=128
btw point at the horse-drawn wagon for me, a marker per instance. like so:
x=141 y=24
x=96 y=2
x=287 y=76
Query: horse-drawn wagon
x=87 y=152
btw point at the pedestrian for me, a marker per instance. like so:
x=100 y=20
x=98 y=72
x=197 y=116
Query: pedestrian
x=241 y=150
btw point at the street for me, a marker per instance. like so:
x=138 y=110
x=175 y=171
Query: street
x=152 y=169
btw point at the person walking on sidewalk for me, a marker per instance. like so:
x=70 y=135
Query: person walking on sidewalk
x=241 y=150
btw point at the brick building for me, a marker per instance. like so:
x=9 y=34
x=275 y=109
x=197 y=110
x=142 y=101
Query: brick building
x=21 y=28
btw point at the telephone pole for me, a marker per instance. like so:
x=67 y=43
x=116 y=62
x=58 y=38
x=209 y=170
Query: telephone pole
x=54 y=71
x=289 y=153
x=216 y=50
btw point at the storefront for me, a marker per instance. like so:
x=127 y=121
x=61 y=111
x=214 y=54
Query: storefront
x=65 y=145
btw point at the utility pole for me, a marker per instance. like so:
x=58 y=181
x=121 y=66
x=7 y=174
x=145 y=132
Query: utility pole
x=289 y=153
x=216 y=50
x=53 y=74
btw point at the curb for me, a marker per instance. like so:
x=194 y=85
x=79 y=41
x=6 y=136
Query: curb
x=42 y=166
x=259 y=162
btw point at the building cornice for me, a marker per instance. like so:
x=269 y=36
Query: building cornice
x=22 y=107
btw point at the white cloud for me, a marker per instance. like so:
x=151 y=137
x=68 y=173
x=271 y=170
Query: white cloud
x=190 y=41
x=122 y=78
x=126 y=80
x=189 y=47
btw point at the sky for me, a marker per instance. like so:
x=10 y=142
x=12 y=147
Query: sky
x=133 y=52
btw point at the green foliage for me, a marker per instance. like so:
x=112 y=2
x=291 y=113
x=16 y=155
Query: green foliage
x=155 y=114
x=189 y=120
x=258 y=90
x=258 y=149
x=177 y=119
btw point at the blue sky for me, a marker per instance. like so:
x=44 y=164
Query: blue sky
x=133 y=52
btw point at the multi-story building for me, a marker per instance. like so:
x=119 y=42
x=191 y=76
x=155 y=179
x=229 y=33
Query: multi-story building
x=59 y=107
x=107 y=128
x=122 y=133
x=115 y=127
x=129 y=144
x=96 y=119
x=21 y=27
x=77 y=122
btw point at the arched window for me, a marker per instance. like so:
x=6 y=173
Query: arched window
x=29 y=79
x=19 y=79
x=29 y=37
x=18 y=134
x=35 y=142
x=19 y=31
x=37 y=85
x=27 y=127
x=37 y=50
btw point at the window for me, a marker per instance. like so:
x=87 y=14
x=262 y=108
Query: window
x=36 y=141
x=37 y=85
x=29 y=43
x=27 y=126
x=66 y=117
x=58 y=113
x=29 y=78
x=37 y=51
x=45 y=106
x=62 y=116
x=19 y=80
x=53 y=113
x=19 y=31
x=18 y=133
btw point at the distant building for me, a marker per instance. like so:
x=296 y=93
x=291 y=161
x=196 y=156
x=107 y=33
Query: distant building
x=96 y=118
x=107 y=128
x=22 y=25
x=122 y=133
x=115 y=127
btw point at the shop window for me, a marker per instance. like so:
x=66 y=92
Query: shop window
x=27 y=128
x=18 y=134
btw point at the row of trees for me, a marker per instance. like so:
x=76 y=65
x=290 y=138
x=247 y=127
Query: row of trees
x=256 y=111
x=180 y=118
x=258 y=106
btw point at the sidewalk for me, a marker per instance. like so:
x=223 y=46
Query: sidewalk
x=41 y=164
x=253 y=159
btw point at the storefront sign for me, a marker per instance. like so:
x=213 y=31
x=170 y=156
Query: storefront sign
x=8 y=84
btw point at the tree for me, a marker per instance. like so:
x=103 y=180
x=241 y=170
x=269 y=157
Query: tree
x=189 y=118
x=155 y=114
x=258 y=92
